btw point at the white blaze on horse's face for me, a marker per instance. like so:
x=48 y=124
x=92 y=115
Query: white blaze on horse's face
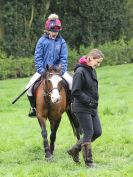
x=55 y=95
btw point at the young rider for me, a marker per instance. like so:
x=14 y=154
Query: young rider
x=51 y=49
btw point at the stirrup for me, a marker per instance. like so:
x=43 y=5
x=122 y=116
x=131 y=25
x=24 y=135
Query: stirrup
x=32 y=112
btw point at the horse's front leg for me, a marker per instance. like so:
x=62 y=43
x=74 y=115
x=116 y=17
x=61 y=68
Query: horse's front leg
x=48 y=154
x=54 y=126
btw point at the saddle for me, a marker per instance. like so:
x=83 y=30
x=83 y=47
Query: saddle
x=35 y=86
x=66 y=87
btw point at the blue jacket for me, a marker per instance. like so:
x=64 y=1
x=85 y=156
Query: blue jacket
x=50 y=52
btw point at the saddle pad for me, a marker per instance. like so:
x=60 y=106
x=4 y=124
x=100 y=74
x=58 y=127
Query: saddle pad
x=35 y=86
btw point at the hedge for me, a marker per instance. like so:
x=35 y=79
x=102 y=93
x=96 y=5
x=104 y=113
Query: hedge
x=116 y=52
x=16 y=68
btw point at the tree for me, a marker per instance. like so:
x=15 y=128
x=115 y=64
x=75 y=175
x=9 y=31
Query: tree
x=23 y=22
x=1 y=22
x=90 y=21
x=84 y=22
x=75 y=22
x=130 y=21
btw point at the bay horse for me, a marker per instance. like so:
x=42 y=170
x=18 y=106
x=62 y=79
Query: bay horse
x=51 y=102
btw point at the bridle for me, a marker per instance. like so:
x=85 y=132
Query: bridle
x=48 y=92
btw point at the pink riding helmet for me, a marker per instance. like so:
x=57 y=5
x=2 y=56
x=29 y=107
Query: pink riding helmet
x=53 y=25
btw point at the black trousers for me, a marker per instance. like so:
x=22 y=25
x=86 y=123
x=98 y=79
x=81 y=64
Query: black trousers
x=91 y=126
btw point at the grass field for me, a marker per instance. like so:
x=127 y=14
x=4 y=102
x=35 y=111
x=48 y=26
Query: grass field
x=21 y=149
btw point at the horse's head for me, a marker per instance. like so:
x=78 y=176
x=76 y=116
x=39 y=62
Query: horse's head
x=53 y=84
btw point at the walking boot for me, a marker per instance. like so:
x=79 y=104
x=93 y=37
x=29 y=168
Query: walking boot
x=32 y=101
x=87 y=154
x=74 y=151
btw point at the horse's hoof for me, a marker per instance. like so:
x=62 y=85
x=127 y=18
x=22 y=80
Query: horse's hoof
x=51 y=152
x=48 y=157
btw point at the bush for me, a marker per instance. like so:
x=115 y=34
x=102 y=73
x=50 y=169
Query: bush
x=16 y=68
x=116 y=52
x=130 y=50
x=73 y=56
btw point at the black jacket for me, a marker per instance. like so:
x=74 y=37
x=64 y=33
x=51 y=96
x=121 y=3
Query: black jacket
x=85 y=89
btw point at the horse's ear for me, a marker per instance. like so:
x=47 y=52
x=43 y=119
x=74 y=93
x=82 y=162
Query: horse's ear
x=50 y=67
x=47 y=67
x=59 y=68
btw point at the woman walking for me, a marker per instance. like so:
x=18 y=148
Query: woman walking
x=85 y=104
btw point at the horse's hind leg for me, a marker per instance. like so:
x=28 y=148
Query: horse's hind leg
x=48 y=155
x=54 y=127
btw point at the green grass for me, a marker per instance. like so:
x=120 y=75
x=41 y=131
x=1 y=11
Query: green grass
x=21 y=149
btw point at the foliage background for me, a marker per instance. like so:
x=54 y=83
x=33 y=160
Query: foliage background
x=116 y=52
x=84 y=22
x=87 y=24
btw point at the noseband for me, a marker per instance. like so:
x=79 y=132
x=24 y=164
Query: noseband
x=48 y=93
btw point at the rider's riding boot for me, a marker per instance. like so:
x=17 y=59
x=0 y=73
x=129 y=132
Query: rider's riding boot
x=74 y=151
x=87 y=154
x=32 y=101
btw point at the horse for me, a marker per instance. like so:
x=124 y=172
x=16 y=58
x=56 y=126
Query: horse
x=51 y=102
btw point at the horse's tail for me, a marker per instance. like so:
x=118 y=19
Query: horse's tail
x=74 y=123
